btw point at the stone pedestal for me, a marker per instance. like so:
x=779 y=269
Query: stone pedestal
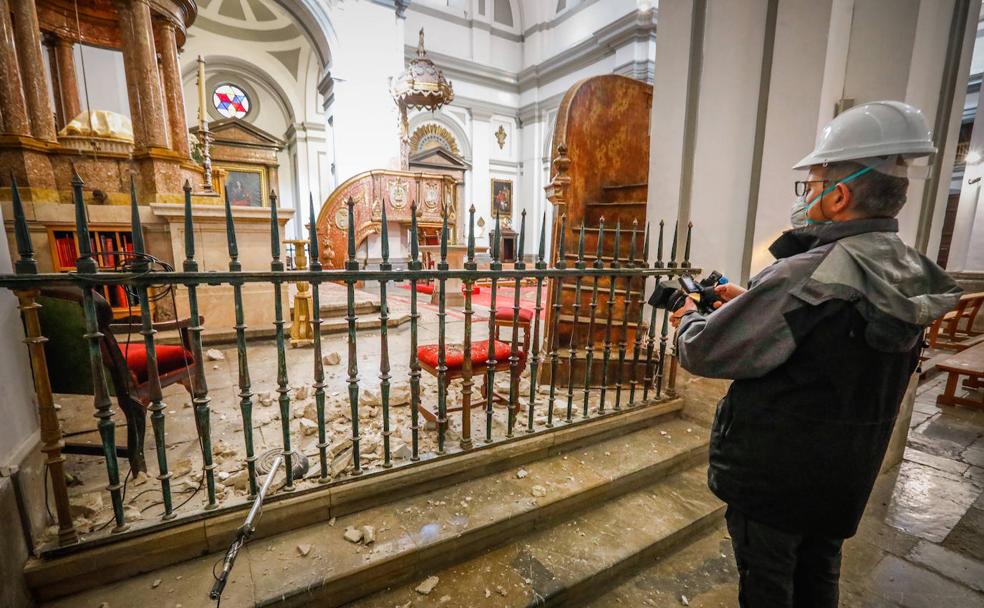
x=253 y=237
x=456 y=261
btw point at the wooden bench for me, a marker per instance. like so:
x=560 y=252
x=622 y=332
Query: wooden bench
x=955 y=329
x=970 y=363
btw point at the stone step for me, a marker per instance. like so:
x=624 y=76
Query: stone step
x=575 y=559
x=73 y=569
x=420 y=534
x=703 y=572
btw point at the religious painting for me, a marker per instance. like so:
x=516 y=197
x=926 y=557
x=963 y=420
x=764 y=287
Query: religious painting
x=245 y=186
x=502 y=196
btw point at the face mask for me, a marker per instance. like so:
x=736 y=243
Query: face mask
x=799 y=215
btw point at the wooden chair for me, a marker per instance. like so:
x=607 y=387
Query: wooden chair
x=66 y=351
x=504 y=318
x=455 y=359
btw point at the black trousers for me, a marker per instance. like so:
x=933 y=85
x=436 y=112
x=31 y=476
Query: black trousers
x=777 y=569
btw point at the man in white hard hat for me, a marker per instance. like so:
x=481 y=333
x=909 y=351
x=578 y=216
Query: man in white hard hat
x=821 y=348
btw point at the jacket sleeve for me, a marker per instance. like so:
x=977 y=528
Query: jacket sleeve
x=746 y=338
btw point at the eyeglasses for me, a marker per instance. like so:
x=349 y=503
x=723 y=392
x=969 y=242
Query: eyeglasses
x=802 y=187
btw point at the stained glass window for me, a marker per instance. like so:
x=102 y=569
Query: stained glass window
x=230 y=101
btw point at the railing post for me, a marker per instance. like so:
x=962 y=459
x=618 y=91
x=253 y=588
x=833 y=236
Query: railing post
x=561 y=264
x=593 y=315
x=637 y=347
x=607 y=352
x=623 y=335
x=466 y=365
x=52 y=440
x=200 y=398
x=649 y=378
x=86 y=265
x=156 y=408
x=245 y=384
x=319 y=364
x=384 y=357
x=414 y=265
x=283 y=389
x=664 y=329
x=490 y=361
x=352 y=264
x=572 y=350
x=534 y=355
x=514 y=371
x=442 y=364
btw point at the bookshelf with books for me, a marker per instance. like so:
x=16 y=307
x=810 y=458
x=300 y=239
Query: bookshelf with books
x=111 y=246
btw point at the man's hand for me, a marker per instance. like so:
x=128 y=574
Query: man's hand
x=727 y=292
x=688 y=306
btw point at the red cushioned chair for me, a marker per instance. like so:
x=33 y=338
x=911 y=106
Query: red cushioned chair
x=504 y=318
x=66 y=351
x=454 y=359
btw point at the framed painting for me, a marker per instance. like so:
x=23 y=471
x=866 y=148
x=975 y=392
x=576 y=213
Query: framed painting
x=245 y=186
x=502 y=197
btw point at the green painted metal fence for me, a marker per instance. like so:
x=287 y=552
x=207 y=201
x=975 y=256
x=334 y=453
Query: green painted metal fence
x=649 y=350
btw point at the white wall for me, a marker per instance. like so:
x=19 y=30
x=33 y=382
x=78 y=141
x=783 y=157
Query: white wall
x=18 y=409
x=824 y=51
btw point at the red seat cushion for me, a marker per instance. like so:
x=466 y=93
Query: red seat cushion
x=169 y=358
x=504 y=313
x=454 y=355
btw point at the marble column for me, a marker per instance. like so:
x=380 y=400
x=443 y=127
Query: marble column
x=50 y=43
x=142 y=80
x=28 y=35
x=173 y=89
x=64 y=81
x=12 y=106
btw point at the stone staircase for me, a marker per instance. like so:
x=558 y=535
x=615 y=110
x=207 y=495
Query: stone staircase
x=548 y=519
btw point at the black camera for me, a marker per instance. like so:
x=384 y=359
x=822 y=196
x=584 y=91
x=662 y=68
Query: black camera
x=671 y=298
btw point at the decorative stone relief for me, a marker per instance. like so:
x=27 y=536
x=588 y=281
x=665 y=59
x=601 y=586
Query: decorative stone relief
x=500 y=136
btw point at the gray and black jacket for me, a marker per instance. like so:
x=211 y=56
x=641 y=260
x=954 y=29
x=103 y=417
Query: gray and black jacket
x=821 y=348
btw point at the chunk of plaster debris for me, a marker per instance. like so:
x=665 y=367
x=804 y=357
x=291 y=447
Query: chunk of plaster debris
x=303 y=549
x=368 y=534
x=539 y=491
x=332 y=359
x=214 y=355
x=521 y=474
x=353 y=535
x=157 y=583
x=427 y=586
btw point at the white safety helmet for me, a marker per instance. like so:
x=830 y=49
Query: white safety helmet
x=877 y=131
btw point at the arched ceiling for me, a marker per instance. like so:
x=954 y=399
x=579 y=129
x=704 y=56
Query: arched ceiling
x=269 y=21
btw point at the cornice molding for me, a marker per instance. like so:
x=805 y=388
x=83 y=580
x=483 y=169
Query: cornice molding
x=456 y=67
x=532 y=111
x=636 y=25
x=491 y=28
x=484 y=110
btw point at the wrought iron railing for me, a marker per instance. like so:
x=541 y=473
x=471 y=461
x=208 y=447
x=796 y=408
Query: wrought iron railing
x=648 y=349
